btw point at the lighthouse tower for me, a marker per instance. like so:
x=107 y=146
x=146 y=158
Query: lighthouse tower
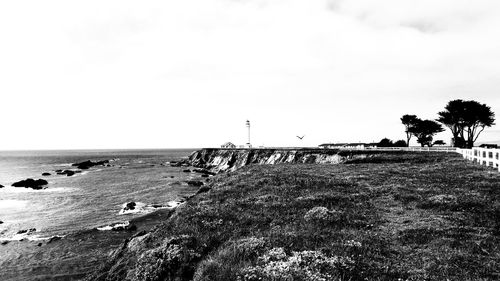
x=248 y=128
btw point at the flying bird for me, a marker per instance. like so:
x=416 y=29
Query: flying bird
x=301 y=137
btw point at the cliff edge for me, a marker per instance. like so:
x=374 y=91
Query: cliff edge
x=221 y=160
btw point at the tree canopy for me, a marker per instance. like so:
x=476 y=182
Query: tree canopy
x=425 y=130
x=409 y=122
x=466 y=120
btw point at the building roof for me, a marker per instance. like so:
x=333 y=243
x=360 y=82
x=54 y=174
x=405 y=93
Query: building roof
x=228 y=144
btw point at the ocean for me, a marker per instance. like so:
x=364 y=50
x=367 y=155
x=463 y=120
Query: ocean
x=87 y=200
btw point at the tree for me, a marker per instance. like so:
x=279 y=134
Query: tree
x=400 y=143
x=466 y=120
x=477 y=117
x=452 y=118
x=424 y=130
x=409 y=122
x=385 y=142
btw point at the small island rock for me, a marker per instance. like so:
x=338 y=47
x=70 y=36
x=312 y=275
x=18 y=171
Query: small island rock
x=31 y=183
x=89 y=164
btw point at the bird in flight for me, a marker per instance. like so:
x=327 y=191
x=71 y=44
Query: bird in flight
x=301 y=137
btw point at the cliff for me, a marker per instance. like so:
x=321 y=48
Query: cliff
x=376 y=218
x=220 y=160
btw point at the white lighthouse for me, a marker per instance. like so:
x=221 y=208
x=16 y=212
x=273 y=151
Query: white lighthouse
x=248 y=128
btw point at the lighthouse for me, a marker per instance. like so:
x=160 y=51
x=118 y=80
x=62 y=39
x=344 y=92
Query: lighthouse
x=248 y=128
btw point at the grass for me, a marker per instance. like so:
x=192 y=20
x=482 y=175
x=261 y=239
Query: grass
x=397 y=216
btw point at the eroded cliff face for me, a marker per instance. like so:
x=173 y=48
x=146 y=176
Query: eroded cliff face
x=220 y=160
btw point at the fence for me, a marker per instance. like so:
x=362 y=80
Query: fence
x=483 y=156
x=411 y=148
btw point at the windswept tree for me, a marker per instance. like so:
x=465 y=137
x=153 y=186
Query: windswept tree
x=452 y=118
x=477 y=117
x=425 y=130
x=466 y=120
x=409 y=122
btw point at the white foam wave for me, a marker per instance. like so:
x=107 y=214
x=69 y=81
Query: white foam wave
x=63 y=164
x=114 y=226
x=30 y=190
x=13 y=204
x=20 y=236
x=148 y=208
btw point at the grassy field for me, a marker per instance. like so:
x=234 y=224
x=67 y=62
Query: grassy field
x=404 y=216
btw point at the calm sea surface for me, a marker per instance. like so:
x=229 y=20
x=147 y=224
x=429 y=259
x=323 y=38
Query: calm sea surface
x=87 y=200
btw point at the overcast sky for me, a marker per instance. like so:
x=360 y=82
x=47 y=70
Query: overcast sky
x=189 y=73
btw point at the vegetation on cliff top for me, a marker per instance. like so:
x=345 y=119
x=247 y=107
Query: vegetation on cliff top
x=405 y=216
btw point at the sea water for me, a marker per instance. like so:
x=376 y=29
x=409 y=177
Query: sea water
x=87 y=200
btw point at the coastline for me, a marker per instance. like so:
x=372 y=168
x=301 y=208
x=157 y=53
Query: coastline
x=353 y=221
x=31 y=252
x=73 y=256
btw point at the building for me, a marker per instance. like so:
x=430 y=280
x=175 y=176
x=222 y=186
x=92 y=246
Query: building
x=488 y=145
x=354 y=145
x=228 y=145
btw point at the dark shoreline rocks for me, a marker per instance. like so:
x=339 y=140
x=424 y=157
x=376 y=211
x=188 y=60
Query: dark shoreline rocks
x=89 y=164
x=26 y=231
x=31 y=183
x=68 y=173
x=130 y=206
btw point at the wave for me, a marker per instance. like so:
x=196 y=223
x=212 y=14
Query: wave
x=63 y=164
x=28 y=236
x=140 y=207
x=13 y=204
x=114 y=226
x=11 y=189
x=21 y=235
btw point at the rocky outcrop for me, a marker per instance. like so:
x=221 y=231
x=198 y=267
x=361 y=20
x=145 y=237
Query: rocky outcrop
x=45 y=174
x=31 y=183
x=68 y=173
x=89 y=164
x=219 y=160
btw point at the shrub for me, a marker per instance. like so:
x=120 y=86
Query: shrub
x=225 y=264
x=304 y=265
x=175 y=257
x=322 y=214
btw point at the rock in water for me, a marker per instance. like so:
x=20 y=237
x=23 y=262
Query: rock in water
x=88 y=164
x=129 y=206
x=1 y=186
x=27 y=231
x=54 y=238
x=45 y=174
x=68 y=173
x=195 y=183
x=31 y=183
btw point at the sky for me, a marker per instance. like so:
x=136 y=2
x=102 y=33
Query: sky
x=186 y=74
